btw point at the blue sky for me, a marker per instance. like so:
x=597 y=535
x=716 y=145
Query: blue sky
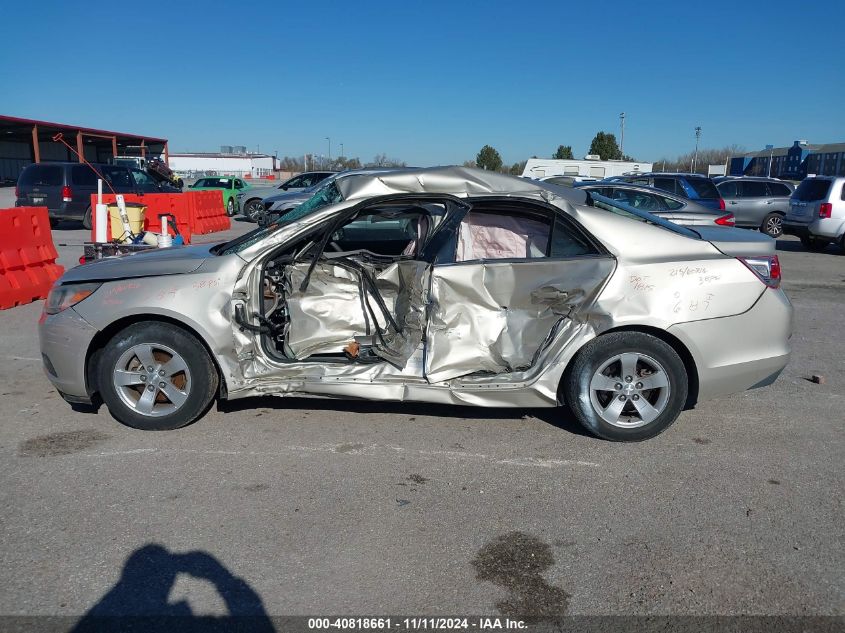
x=431 y=82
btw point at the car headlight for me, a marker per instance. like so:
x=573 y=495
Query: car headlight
x=63 y=297
x=240 y=195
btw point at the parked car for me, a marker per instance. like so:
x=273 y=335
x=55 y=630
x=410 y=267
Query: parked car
x=280 y=204
x=228 y=185
x=65 y=188
x=567 y=181
x=250 y=201
x=757 y=203
x=668 y=206
x=695 y=187
x=817 y=212
x=448 y=285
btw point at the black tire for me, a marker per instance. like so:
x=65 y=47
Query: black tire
x=86 y=219
x=201 y=388
x=252 y=209
x=230 y=207
x=588 y=361
x=813 y=244
x=772 y=225
x=180 y=183
x=54 y=222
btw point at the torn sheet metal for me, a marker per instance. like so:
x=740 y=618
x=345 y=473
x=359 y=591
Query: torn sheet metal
x=495 y=317
x=337 y=306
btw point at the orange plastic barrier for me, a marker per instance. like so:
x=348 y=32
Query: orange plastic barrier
x=197 y=212
x=27 y=256
x=157 y=203
x=208 y=215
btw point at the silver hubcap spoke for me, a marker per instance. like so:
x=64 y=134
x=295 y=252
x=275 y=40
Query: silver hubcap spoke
x=612 y=411
x=647 y=412
x=125 y=378
x=654 y=381
x=629 y=390
x=153 y=380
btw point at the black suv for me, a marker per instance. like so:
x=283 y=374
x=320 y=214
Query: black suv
x=66 y=188
x=694 y=187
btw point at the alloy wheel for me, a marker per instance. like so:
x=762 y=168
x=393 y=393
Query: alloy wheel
x=152 y=379
x=629 y=390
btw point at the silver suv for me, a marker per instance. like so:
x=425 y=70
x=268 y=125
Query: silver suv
x=757 y=203
x=817 y=212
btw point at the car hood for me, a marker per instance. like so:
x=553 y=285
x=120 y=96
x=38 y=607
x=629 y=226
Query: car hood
x=151 y=263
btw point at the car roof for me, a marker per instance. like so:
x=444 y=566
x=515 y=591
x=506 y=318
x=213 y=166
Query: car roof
x=670 y=174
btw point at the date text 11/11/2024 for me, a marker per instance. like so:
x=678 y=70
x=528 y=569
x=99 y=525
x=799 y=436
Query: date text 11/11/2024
x=415 y=624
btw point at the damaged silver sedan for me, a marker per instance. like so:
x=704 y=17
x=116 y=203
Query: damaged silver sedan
x=446 y=285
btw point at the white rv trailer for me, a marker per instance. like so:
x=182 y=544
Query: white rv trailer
x=591 y=166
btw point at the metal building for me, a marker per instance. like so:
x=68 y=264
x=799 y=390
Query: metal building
x=25 y=141
x=792 y=163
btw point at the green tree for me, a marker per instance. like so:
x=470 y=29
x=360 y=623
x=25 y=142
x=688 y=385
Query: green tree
x=563 y=151
x=517 y=168
x=488 y=158
x=604 y=144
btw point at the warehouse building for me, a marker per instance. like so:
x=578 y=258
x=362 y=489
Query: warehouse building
x=229 y=161
x=792 y=163
x=26 y=141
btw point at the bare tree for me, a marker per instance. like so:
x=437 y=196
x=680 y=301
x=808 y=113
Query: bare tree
x=705 y=157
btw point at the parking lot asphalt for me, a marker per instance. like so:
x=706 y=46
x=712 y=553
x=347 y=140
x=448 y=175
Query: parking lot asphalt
x=326 y=507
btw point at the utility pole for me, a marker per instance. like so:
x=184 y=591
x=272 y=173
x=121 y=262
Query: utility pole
x=622 y=137
x=695 y=156
x=341 y=150
x=328 y=138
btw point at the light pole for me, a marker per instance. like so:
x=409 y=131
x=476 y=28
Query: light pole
x=771 y=149
x=695 y=156
x=341 y=151
x=328 y=138
x=622 y=137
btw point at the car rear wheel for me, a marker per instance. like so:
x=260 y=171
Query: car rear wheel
x=252 y=209
x=230 y=208
x=626 y=386
x=156 y=376
x=86 y=219
x=772 y=225
x=813 y=244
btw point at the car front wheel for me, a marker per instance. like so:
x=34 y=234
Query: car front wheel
x=626 y=386
x=156 y=376
x=772 y=225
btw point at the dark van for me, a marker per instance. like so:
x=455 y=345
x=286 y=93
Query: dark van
x=66 y=188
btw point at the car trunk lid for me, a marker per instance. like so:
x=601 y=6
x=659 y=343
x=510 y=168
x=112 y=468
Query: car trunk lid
x=736 y=242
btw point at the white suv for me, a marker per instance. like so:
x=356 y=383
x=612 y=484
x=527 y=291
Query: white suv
x=817 y=212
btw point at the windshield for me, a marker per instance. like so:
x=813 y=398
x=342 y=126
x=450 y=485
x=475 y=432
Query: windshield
x=627 y=211
x=326 y=195
x=223 y=183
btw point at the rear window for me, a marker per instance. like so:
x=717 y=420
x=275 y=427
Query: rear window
x=812 y=189
x=83 y=176
x=704 y=187
x=41 y=176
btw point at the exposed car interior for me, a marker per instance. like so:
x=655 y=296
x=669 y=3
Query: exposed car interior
x=345 y=287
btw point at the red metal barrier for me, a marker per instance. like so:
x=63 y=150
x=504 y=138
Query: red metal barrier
x=27 y=256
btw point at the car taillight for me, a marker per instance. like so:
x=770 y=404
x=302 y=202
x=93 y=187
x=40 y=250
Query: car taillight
x=766 y=267
x=726 y=220
x=721 y=204
x=825 y=210
x=67 y=194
